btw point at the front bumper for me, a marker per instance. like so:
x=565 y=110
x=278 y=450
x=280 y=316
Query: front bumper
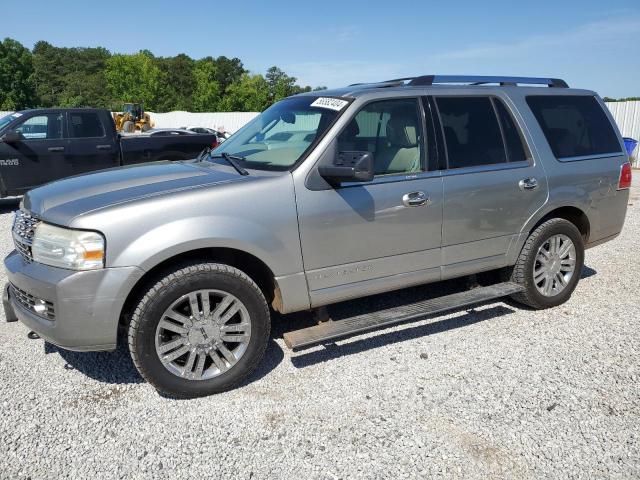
x=87 y=304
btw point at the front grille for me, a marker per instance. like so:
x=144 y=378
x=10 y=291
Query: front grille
x=24 y=228
x=40 y=307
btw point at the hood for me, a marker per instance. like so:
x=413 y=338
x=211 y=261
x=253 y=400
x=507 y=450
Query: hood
x=59 y=202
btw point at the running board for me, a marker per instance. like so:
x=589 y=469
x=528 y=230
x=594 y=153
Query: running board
x=333 y=330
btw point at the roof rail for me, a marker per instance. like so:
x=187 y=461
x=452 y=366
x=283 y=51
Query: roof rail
x=426 y=80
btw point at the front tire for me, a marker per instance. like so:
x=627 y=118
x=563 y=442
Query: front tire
x=199 y=330
x=549 y=265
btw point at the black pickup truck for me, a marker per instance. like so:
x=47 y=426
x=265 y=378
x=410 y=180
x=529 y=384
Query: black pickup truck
x=41 y=145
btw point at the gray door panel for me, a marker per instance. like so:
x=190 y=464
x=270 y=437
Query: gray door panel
x=483 y=210
x=360 y=233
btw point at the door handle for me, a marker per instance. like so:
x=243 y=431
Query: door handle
x=415 y=199
x=104 y=147
x=529 y=183
x=56 y=149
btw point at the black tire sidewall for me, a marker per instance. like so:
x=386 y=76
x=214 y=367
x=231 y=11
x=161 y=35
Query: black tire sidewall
x=164 y=297
x=558 y=227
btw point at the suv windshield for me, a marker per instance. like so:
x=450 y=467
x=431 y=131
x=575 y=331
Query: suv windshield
x=278 y=137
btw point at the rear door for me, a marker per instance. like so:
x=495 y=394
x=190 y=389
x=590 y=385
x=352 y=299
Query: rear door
x=492 y=184
x=93 y=145
x=39 y=157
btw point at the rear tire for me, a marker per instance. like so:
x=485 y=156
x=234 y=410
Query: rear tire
x=181 y=340
x=543 y=267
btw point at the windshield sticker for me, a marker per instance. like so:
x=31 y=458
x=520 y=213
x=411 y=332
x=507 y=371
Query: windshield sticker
x=330 y=103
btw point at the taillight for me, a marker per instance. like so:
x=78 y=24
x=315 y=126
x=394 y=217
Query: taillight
x=625 y=177
x=215 y=143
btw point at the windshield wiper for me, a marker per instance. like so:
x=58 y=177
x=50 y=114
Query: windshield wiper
x=233 y=161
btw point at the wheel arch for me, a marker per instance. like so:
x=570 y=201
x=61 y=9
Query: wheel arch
x=248 y=263
x=572 y=213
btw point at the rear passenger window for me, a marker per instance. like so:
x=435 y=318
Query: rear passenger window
x=85 y=125
x=471 y=130
x=512 y=137
x=574 y=126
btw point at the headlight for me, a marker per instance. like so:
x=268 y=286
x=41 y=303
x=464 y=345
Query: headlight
x=65 y=248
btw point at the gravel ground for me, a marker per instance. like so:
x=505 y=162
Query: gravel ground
x=495 y=392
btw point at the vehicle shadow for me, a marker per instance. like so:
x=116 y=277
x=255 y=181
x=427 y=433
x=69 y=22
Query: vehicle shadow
x=117 y=367
x=332 y=351
x=107 y=367
x=8 y=205
x=587 y=272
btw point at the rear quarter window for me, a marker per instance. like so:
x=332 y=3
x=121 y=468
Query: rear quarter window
x=574 y=126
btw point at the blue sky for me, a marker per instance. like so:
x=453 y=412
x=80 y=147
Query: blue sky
x=591 y=44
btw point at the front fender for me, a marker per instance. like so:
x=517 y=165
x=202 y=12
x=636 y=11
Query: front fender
x=184 y=235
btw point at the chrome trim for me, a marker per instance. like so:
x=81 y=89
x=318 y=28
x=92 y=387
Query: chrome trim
x=486 y=168
x=23 y=231
x=590 y=157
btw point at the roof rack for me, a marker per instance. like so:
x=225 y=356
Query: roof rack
x=426 y=80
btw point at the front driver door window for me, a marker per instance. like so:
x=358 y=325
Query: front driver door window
x=392 y=131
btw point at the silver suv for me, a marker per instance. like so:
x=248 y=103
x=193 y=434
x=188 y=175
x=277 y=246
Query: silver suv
x=324 y=197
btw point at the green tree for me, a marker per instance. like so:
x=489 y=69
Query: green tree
x=228 y=72
x=16 y=76
x=206 y=95
x=250 y=94
x=135 y=78
x=70 y=77
x=178 y=83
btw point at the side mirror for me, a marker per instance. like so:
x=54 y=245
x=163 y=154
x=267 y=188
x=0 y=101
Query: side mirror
x=11 y=137
x=349 y=167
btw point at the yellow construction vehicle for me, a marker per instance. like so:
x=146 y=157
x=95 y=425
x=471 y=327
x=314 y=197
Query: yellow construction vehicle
x=132 y=118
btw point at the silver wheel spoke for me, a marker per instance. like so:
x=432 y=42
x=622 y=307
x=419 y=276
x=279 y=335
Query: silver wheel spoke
x=544 y=255
x=193 y=302
x=234 y=327
x=172 y=327
x=218 y=361
x=564 y=250
x=176 y=354
x=188 y=367
x=233 y=309
x=167 y=347
x=206 y=307
x=234 y=338
x=222 y=306
x=178 y=317
x=548 y=285
x=200 y=365
x=226 y=353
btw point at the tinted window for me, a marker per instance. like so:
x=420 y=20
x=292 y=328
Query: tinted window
x=85 y=125
x=391 y=130
x=574 y=125
x=512 y=136
x=471 y=131
x=43 y=127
